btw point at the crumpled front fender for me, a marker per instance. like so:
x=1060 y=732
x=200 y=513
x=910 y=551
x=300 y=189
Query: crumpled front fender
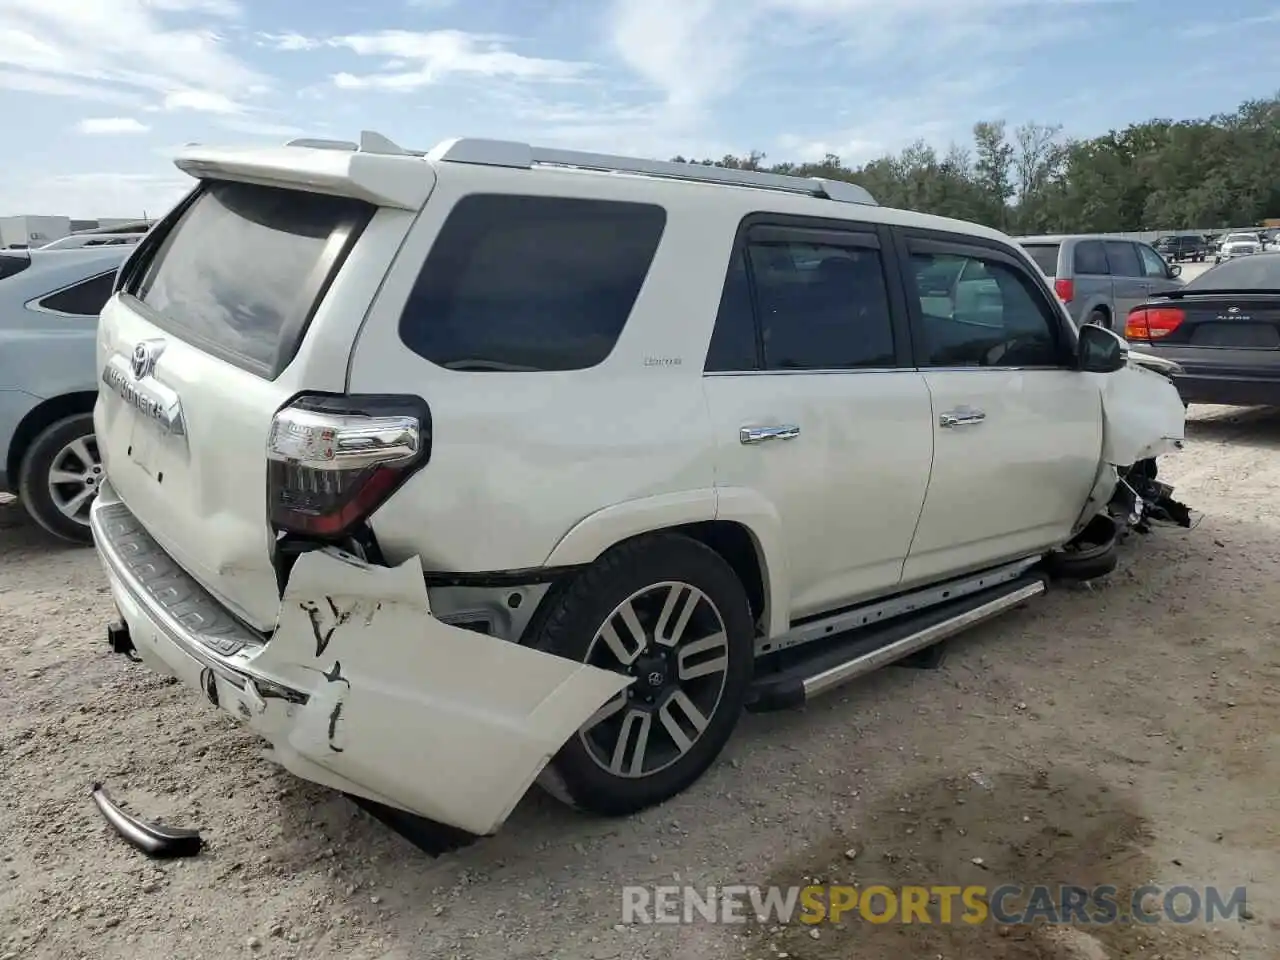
x=1143 y=416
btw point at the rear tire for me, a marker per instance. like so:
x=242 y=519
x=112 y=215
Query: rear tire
x=59 y=478
x=670 y=612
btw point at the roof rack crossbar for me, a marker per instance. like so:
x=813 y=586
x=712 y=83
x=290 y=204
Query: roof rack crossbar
x=510 y=153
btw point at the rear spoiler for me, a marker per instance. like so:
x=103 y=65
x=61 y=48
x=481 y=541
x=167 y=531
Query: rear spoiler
x=366 y=171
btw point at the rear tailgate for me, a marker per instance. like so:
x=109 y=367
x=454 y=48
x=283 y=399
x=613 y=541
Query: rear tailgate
x=248 y=294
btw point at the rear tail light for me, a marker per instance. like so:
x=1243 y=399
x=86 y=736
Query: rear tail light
x=1065 y=289
x=1152 y=323
x=332 y=461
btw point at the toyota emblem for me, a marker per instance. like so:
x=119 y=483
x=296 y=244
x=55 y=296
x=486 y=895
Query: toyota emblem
x=144 y=358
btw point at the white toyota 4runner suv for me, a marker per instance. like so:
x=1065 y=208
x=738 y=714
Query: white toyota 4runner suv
x=457 y=471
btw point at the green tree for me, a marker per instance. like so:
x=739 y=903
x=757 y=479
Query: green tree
x=1161 y=174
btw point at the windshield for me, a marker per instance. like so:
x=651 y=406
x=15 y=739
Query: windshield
x=1259 y=272
x=1241 y=238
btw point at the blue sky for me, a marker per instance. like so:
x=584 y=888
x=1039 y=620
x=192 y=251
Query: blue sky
x=95 y=95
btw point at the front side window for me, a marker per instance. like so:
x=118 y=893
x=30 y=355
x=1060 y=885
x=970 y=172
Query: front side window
x=1152 y=262
x=990 y=316
x=525 y=283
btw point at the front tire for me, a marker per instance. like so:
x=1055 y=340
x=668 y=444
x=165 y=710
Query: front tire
x=670 y=612
x=59 y=478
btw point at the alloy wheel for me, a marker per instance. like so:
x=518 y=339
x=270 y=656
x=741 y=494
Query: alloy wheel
x=74 y=478
x=672 y=639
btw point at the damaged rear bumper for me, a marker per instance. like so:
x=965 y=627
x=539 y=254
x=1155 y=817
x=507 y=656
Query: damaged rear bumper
x=360 y=687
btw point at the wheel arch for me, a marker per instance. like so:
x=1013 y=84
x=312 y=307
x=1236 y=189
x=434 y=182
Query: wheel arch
x=41 y=416
x=739 y=524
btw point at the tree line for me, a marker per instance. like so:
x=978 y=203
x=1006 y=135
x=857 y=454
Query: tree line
x=1159 y=175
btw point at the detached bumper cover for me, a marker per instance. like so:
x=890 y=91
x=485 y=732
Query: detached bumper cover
x=360 y=688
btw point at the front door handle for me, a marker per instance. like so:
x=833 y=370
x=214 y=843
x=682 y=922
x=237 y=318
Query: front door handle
x=960 y=418
x=761 y=434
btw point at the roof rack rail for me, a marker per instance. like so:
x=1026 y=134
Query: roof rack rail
x=511 y=153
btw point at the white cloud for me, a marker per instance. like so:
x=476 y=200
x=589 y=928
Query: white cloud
x=98 y=194
x=24 y=82
x=261 y=128
x=422 y=58
x=288 y=41
x=111 y=125
x=229 y=9
x=694 y=54
x=202 y=101
x=123 y=47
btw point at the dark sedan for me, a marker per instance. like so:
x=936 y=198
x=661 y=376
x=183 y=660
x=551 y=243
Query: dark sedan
x=1222 y=329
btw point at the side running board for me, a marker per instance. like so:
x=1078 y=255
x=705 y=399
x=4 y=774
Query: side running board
x=794 y=680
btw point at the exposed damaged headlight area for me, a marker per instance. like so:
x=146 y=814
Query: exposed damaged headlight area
x=1145 y=499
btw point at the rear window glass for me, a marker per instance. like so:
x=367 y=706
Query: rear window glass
x=1090 y=259
x=516 y=283
x=1046 y=257
x=243 y=268
x=84 y=299
x=1260 y=272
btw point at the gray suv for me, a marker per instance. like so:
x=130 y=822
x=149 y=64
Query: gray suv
x=49 y=305
x=1100 y=279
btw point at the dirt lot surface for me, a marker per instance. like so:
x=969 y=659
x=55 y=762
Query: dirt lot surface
x=1123 y=734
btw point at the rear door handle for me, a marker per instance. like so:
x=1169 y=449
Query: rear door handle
x=760 y=434
x=961 y=417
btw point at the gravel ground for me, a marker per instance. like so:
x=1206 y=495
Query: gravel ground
x=1119 y=734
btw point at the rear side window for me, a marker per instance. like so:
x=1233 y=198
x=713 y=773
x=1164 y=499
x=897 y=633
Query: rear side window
x=822 y=307
x=733 y=341
x=1122 y=257
x=11 y=266
x=797 y=299
x=1091 y=259
x=1046 y=257
x=243 y=268
x=516 y=283
x=83 y=299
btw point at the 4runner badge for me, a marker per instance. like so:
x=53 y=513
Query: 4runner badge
x=130 y=379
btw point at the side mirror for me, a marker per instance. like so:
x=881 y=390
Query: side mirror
x=1175 y=270
x=1099 y=350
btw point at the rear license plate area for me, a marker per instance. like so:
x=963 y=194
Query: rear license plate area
x=1241 y=336
x=144 y=443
